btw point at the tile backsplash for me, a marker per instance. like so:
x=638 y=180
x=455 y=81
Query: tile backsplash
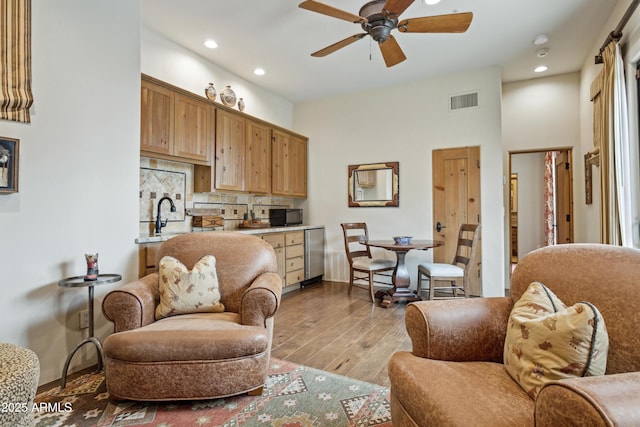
x=155 y=184
x=174 y=179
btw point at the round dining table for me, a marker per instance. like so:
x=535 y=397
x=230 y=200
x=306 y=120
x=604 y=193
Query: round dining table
x=400 y=278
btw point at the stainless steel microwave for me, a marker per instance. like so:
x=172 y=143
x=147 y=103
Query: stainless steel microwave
x=285 y=217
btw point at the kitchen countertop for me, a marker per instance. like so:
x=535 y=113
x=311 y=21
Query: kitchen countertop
x=162 y=237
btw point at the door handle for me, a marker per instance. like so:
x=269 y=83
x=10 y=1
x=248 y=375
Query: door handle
x=439 y=227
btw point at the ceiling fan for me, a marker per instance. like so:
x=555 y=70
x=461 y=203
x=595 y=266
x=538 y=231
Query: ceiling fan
x=379 y=17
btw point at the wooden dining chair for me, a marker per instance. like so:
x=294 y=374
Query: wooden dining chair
x=362 y=266
x=455 y=274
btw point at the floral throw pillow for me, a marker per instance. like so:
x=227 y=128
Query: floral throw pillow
x=183 y=291
x=548 y=341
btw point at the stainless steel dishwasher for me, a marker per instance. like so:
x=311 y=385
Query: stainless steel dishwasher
x=313 y=255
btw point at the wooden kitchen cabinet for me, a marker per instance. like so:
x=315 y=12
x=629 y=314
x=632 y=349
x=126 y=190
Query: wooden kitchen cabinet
x=276 y=240
x=174 y=125
x=289 y=249
x=258 y=157
x=230 y=151
x=294 y=257
x=288 y=164
x=242 y=159
x=156 y=118
x=147 y=258
x=193 y=128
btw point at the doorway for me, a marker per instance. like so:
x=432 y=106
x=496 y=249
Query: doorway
x=456 y=201
x=540 y=200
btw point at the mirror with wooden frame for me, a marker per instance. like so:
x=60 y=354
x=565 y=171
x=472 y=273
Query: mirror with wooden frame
x=374 y=184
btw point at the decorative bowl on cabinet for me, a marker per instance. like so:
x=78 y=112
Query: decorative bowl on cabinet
x=228 y=97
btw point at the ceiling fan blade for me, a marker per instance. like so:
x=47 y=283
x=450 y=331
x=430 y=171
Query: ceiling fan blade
x=339 y=45
x=396 y=7
x=391 y=52
x=452 y=23
x=325 y=9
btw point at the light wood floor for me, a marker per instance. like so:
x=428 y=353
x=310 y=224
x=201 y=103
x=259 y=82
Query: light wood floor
x=323 y=327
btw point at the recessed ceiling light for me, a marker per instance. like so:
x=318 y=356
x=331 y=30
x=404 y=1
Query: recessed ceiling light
x=541 y=68
x=258 y=72
x=540 y=39
x=211 y=44
x=431 y=2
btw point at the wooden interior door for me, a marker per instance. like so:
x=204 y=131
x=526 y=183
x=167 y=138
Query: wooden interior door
x=456 y=201
x=564 y=197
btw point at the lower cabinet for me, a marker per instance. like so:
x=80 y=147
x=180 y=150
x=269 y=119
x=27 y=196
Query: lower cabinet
x=147 y=258
x=289 y=249
x=288 y=246
x=294 y=255
x=276 y=240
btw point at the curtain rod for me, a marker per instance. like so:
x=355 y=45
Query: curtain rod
x=617 y=33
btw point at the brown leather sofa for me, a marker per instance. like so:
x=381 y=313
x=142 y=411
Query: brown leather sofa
x=454 y=375
x=198 y=355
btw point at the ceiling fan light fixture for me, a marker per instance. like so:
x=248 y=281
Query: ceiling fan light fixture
x=372 y=8
x=379 y=22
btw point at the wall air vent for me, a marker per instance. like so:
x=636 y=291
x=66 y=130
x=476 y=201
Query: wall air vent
x=465 y=100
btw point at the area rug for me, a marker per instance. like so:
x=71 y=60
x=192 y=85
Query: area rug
x=294 y=396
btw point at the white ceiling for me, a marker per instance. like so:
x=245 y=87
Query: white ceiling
x=279 y=37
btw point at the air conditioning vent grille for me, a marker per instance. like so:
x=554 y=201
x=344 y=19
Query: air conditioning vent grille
x=465 y=100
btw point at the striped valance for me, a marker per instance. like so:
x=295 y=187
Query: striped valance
x=15 y=60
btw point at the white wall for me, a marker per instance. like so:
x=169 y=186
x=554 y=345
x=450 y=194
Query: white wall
x=78 y=175
x=541 y=114
x=530 y=170
x=170 y=62
x=405 y=124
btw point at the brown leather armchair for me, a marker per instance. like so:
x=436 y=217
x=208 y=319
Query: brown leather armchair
x=199 y=355
x=455 y=377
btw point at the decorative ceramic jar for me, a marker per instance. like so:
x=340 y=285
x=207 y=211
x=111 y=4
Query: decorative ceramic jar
x=240 y=104
x=228 y=97
x=210 y=91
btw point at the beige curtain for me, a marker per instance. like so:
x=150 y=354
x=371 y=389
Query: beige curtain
x=15 y=60
x=602 y=97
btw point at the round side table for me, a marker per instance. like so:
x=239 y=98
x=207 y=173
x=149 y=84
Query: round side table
x=80 y=282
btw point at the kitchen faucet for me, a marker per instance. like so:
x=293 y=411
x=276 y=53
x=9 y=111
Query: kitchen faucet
x=159 y=222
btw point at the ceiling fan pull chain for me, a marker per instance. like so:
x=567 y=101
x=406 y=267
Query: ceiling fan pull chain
x=369 y=48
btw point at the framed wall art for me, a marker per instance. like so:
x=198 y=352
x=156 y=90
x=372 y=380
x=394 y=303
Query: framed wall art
x=9 y=153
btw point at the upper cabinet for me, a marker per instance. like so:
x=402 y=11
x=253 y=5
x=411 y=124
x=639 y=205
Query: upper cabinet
x=288 y=164
x=193 y=128
x=156 y=118
x=258 y=157
x=173 y=125
x=230 y=151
